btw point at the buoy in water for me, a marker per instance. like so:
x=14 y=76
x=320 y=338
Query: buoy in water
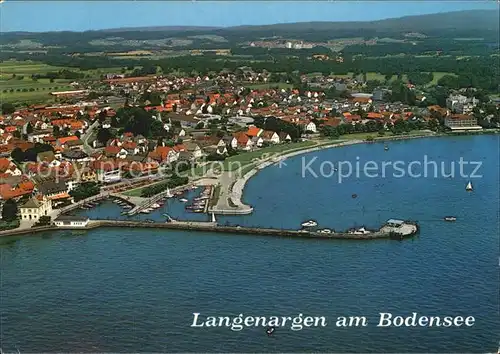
x=270 y=330
x=354 y=195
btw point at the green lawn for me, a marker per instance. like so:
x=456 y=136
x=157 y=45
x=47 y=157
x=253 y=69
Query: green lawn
x=438 y=75
x=234 y=162
x=134 y=192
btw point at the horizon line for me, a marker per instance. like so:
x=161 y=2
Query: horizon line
x=201 y=27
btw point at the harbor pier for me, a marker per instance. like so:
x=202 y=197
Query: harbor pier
x=388 y=231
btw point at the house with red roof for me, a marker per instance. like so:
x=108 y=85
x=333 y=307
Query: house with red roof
x=253 y=131
x=269 y=136
x=243 y=140
x=163 y=154
x=8 y=167
x=62 y=142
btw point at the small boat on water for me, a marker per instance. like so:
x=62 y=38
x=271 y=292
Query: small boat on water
x=184 y=200
x=310 y=223
x=169 y=194
x=146 y=211
x=450 y=218
x=155 y=206
x=469 y=188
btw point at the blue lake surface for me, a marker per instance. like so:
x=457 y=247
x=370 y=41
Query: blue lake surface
x=129 y=290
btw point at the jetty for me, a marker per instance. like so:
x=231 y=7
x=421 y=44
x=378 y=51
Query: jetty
x=393 y=229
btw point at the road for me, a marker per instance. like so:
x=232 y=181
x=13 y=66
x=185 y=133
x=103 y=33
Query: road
x=86 y=137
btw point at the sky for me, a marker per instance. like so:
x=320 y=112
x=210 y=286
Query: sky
x=68 y=15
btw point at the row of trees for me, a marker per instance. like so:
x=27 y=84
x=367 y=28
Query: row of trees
x=85 y=190
x=279 y=126
x=18 y=155
x=400 y=126
x=173 y=182
x=483 y=69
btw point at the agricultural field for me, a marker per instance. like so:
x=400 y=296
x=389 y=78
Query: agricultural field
x=17 y=86
x=438 y=75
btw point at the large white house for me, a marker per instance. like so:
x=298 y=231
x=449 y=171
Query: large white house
x=310 y=127
x=35 y=208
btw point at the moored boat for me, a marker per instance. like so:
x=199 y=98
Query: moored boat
x=184 y=200
x=325 y=231
x=310 y=223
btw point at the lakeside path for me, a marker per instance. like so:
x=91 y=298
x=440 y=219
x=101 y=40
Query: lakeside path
x=232 y=183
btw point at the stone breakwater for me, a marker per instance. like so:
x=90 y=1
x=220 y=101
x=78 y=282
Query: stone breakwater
x=385 y=232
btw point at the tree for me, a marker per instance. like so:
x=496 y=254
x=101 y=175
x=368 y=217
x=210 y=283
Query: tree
x=29 y=128
x=103 y=135
x=8 y=108
x=56 y=131
x=9 y=211
x=17 y=155
x=78 y=134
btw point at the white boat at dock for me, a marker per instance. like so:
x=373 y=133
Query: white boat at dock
x=325 y=231
x=169 y=194
x=360 y=231
x=310 y=223
x=155 y=206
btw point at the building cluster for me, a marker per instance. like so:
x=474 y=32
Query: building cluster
x=46 y=152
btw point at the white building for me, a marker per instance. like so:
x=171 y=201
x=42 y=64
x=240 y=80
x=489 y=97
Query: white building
x=71 y=221
x=35 y=208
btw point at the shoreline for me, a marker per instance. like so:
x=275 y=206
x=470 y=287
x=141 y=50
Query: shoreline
x=240 y=184
x=238 y=188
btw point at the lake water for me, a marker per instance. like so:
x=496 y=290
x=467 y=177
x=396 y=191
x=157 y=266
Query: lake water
x=125 y=290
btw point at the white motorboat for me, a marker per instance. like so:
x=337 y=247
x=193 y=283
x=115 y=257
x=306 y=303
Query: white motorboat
x=155 y=206
x=310 y=223
x=360 y=231
x=469 y=187
x=184 y=200
x=450 y=218
x=325 y=231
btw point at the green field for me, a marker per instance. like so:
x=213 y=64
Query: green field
x=26 y=90
x=438 y=75
x=245 y=158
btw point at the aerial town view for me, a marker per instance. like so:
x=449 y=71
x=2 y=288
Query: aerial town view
x=249 y=176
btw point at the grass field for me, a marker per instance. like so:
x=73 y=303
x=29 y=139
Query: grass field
x=438 y=75
x=245 y=158
x=11 y=88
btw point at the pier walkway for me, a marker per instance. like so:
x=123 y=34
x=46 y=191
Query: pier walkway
x=386 y=232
